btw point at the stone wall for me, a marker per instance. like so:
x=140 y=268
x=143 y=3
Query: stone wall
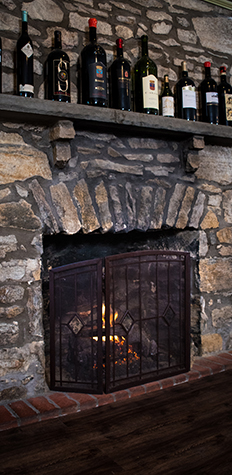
x=58 y=179
x=178 y=30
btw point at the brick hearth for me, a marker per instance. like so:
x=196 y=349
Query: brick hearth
x=56 y=404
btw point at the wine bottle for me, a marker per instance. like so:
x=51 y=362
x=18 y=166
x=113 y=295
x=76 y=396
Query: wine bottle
x=146 y=82
x=119 y=72
x=225 y=99
x=167 y=99
x=93 y=70
x=209 y=97
x=186 y=104
x=25 y=80
x=57 y=82
x=0 y=65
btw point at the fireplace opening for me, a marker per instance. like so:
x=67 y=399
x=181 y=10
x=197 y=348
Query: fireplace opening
x=120 y=319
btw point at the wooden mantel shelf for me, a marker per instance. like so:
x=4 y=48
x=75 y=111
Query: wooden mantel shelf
x=44 y=112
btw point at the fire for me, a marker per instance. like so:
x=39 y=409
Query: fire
x=120 y=359
x=119 y=341
x=113 y=317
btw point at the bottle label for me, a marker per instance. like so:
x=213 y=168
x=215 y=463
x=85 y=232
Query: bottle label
x=26 y=88
x=97 y=81
x=189 y=97
x=27 y=50
x=211 y=98
x=61 y=77
x=228 y=103
x=124 y=80
x=150 y=92
x=168 y=106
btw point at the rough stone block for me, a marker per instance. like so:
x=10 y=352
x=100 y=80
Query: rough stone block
x=192 y=161
x=215 y=274
x=89 y=219
x=221 y=316
x=65 y=208
x=227 y=206
x=20 y=161
x=9 y=333
x=211 y=343
x=61 y=154
x=225 y=235
x=103 y=206
x=62 y=130
x=210 y=221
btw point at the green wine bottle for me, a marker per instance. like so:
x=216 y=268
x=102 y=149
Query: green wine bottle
x=146 y=82
x=167 y=99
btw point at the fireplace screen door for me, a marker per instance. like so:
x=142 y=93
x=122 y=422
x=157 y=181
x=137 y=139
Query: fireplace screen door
x=128 y=328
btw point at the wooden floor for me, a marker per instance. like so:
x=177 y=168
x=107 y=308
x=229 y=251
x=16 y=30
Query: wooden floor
x=183 y=430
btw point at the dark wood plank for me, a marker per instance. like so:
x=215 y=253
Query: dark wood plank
x=183 y=430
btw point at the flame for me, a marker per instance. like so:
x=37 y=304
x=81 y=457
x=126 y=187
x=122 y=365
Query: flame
x=118 y=341
x=113 y=317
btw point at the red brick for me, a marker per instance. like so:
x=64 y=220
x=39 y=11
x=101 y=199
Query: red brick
x=203 y=370
x=153 y=386
x=5 y=416
x=66 y=405
x=226 y=355
x=180 y=378
x=193 y=375
x=22 y=409
x=215 y=368
x=136 y=391
x=83 y=401
x=104 y=399
x=167 y=383
x=219 y=360
x=42 y=404
x=7 y=421
x=121 y=395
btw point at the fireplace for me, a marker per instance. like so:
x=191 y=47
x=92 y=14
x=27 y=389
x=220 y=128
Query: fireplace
x=70 y=194
x=119 y=320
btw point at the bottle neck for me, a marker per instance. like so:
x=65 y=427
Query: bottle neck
x=24 y=27
x=144 y=46
x=57 y=42
x=92 y=34
x=223 y=77
x=184 y=74
x=119 y=52
x=207 y=73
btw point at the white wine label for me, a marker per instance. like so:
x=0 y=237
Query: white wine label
x=27 y=50
x=97 y=81
x=211 y=98
x=150 y=92
x=168 y=106
x=228 y=103
x=26 y=88
x=189 y=97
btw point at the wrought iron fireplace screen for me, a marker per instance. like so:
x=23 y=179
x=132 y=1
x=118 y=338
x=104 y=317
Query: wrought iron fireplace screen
x=136 y=331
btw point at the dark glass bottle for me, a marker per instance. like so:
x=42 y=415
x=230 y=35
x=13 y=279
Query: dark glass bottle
x=93 y=70
x=25 y=79
x=225 y=99
x=119 y=72
x=167 y=99
x=209 y=97
x=146 y=82
x=0 y=64
x=186 y=105
x=57 y=83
